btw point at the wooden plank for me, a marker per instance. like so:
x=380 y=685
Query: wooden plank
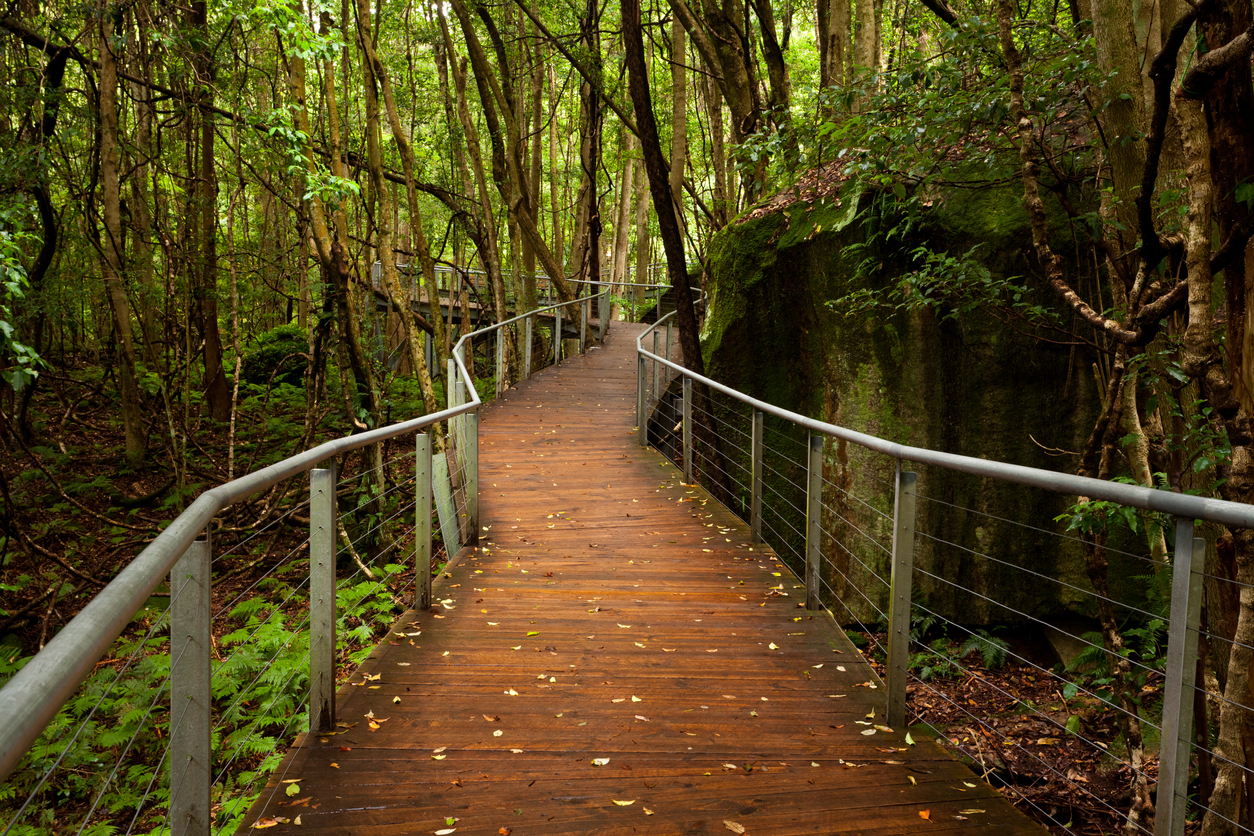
x=613 y=612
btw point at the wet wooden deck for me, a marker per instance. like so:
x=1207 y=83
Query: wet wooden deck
x=617 y=658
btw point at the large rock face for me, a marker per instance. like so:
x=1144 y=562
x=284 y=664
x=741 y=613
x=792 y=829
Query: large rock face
x=970 y=384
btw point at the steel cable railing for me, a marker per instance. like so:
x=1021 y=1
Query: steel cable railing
x=253 y=666
x=918 y=574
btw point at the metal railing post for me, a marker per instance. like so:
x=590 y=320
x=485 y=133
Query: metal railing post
x=459 y=426
x=557 y=336
x=452 y=379
x=422 y=520
x=904 y=503
x=1177 y=736
x=687 y=429
x=667 y=355
x=657 y=370
x=500 y=360
x=472 y=475
x=758 y=446
x=527 y=354
x=322 y=530
x=583 y=325
x=814 y=520
x=190 y=691
x=642 y=415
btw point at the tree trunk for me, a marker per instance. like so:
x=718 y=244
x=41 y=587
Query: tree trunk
x=111 y=261
x=203 y=222
x=373 y=77
x=679 y=117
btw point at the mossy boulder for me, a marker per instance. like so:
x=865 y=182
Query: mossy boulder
x=960 y=382
x=277 y=357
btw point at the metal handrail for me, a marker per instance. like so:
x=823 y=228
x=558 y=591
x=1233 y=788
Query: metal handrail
x=32 y=697
x=1237 y=514
x=1187 y=568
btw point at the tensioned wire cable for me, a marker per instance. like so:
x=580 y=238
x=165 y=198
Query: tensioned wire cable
x=827 y=560
x=1199 y=805
x=994 y=687
x=983 y=597
x=1088 y=592
x=857 y=499
x=157 y=624
x=279 y=564
x=869 y=538
x=158 y=692
x=1046 y=672
x=1036 y=529
x=1113 y=811
x=258 y=532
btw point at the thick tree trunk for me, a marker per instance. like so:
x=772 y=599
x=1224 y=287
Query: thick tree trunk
x=659 y=186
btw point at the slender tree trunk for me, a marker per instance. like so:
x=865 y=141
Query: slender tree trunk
x=373 y=76
x=204 y=221
x=679 y=116
x=622 y=216
x=111 y=245
x=642 y=229
x=555 y=192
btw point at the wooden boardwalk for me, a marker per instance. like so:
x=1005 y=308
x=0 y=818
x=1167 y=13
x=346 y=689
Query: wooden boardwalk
x=617 y=658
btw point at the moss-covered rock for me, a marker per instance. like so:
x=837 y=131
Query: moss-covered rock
x=967 y=383
x=277 y=357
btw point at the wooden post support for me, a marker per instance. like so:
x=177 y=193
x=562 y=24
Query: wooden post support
x=758 y=447
x=422 y=520
x=1177 y=732
x=322 y=531
x=687 y=429
x=900 y=593
x=190 y=692
x=814 y=521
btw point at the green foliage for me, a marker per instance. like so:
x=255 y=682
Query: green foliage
x=943 y=654
x=1144 y=645
x=278 y=356
x=19 y=363
x=121 y=716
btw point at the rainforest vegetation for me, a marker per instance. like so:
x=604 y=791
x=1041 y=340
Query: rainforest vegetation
x=214 y=217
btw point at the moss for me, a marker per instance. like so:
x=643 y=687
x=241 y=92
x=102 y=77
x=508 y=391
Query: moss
x=966 y=384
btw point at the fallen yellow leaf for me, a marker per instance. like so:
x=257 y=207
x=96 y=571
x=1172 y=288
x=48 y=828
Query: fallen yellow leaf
x=623 y=803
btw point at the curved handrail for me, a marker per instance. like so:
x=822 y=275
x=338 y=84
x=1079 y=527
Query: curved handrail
x=1238 y=514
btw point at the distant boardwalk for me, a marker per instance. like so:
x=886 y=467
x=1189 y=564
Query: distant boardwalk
x=618 y=658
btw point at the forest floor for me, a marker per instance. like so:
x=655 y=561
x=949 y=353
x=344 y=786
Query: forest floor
x=1009 y=725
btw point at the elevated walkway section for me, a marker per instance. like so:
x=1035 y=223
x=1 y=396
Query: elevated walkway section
x=617 y=657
